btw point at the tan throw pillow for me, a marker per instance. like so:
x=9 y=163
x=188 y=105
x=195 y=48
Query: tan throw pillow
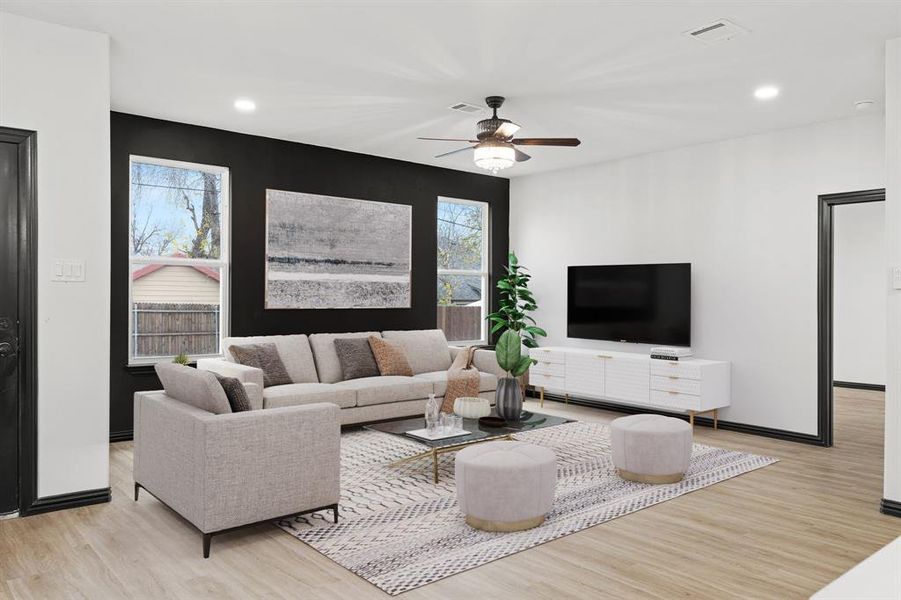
x=390 y=358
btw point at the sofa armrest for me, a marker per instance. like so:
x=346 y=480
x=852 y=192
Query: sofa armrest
x=243 y=373
x=265 y=464
x=222 y=471
x=484 y=360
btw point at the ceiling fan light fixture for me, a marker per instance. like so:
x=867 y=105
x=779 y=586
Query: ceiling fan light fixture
x=494 y=156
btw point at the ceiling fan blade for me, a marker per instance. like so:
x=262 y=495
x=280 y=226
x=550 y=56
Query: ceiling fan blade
x=449 y=140
x=521 y=156
x=454 y=152
x=506 y=130
x=546 y=141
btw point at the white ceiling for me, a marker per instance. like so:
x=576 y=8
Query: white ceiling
x=372 y=76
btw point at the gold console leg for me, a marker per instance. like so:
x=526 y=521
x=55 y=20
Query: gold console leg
x=435 y=464
x=541 y=397
x=715 y=418
x=691 y=418
x=566 y=396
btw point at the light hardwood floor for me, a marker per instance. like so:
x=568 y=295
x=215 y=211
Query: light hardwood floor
x=780 y=532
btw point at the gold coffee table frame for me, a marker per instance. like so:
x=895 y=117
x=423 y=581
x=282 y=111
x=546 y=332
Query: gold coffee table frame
x=439 y=450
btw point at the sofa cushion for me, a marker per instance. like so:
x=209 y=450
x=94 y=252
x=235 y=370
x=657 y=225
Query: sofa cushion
x=390 y=357
x=426 y=349
x=264 y=357
x=295 y=394
x=294 y=351
x=355 y=356
x=200 y=389
x=386 y=389
x=487 y=381
x=327 y=364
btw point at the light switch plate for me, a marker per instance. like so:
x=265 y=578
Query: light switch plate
x=896 y=278
x=68 y=270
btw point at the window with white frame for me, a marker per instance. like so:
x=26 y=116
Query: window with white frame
x=178 y=259
x=462 y=269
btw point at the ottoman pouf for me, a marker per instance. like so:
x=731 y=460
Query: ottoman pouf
x=505 y=486
x=651 y=448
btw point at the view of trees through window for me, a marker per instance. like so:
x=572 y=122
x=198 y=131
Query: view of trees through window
x=462 y=271
x=178 y=259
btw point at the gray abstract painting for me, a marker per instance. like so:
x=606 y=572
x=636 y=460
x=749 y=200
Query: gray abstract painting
x=328 y=252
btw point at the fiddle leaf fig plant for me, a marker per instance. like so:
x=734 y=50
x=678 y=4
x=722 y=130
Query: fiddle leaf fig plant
x=509 y=354
x=516 y=302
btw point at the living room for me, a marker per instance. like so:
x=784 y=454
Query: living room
x=500 y=298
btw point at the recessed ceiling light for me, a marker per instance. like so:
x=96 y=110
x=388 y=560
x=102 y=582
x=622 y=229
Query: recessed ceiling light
x=766 y=92
x=245 y=105
x=864 y=104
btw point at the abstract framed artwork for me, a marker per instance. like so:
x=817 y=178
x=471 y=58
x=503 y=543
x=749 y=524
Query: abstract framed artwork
x=329 y=252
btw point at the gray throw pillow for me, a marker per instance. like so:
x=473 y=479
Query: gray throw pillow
x=235 y=392
x=355 y=356
x=264 y=357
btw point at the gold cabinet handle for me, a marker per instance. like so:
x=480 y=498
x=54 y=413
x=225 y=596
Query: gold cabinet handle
x=673 y=377
x=672 y=392
x=604 y=356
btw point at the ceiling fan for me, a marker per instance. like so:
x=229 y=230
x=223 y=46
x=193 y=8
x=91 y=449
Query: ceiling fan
x=495 y=147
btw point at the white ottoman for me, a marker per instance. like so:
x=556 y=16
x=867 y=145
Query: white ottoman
x=651 y=448
x=505 y=486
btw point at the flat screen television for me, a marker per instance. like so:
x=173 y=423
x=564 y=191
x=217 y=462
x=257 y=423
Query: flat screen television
x=648 y=304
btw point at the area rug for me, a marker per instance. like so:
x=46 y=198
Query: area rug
x=400 y=531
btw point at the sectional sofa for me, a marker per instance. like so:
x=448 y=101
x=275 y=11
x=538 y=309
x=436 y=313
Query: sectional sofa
x=315 y=370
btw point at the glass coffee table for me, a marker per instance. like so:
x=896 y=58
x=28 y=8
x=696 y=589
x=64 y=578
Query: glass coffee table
x=477 y=433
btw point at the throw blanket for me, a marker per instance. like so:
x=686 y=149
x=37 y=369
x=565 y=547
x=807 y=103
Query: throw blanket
x=462 y=379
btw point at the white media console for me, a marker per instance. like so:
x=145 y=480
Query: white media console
x=691 y=385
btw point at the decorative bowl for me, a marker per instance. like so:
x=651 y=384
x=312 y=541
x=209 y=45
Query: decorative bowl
x=472 y=408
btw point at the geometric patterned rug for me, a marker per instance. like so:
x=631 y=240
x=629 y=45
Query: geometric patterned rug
x=400 y=531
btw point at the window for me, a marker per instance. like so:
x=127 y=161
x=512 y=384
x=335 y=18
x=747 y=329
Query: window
x=462 y=269
x=178 y=259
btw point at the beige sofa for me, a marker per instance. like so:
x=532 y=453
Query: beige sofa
x=313 y=365
x=221 y=470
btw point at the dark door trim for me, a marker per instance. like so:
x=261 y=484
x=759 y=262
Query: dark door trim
x=27 y=271
x=825 y=276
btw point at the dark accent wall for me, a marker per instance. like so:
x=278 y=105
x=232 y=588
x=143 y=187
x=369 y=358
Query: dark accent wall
x=257 y=163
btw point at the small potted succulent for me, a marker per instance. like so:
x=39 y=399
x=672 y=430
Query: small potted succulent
x=509 y=358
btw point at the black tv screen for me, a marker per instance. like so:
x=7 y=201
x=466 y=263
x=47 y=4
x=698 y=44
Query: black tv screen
x=648 y=304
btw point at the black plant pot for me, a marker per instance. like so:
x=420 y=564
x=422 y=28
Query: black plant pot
x=508 y=399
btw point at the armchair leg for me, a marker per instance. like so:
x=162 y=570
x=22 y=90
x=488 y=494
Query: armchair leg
x=207 y=539
x=335 y=511
x=137 y=489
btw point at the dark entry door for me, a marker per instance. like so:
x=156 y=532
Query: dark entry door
x=9 y=324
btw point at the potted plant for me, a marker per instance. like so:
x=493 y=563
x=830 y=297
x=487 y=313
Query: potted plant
x=516 y=302
x=509 y=358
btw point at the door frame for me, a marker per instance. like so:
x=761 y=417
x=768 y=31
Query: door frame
x=825 y=281
x=27 y=331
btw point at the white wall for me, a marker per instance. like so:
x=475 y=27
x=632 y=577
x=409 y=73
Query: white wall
x=859 y=293
x=892 y=477
x=744 y=213
x=55 y=80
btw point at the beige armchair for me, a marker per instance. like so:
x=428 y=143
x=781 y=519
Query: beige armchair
x=223 y=471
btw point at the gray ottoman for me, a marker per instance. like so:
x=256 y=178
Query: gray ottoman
x=505 y=486
x=651 y=448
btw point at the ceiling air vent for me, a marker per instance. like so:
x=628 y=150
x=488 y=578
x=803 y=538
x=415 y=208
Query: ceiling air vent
x=716 y=32
x=465 y=107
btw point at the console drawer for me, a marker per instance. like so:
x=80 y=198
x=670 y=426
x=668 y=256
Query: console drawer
x=675 y=400
x=550 y=382
x=674 y=368
x=674 y=383
x=547 y=368
x=547 y=355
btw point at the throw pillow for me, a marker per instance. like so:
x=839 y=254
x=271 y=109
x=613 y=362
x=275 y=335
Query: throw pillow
x=391 y=358
x=235 y=392
x=264 y=357
x=355 y=356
